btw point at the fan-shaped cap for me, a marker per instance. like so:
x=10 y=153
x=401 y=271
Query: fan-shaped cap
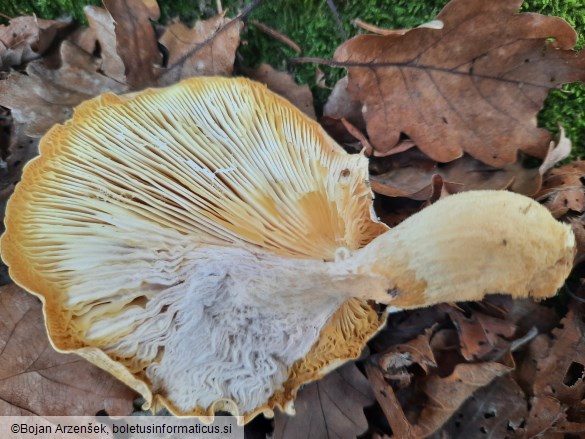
x=178 y=238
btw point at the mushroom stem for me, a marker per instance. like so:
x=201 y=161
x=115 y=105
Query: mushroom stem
x=469 y=245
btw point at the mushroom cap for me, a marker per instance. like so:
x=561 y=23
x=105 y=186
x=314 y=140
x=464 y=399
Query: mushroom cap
x=164 y=230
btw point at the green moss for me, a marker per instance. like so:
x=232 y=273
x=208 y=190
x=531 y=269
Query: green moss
x=312 y=25
x=46 y=8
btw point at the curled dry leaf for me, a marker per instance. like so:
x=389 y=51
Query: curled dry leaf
x=413 y=178
x=44 y=97
x=201 y=50
x=283 y=84
x=340 y=105
x=29 y=362
x=480 y=333
x=102 y=24
x=136 y=42
x=474 y=86
x=395 y=361
x=557 y=152
x=332 y=407
x=563 y=189
x=26 y=38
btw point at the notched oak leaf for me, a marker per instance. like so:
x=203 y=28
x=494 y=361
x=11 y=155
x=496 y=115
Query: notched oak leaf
x=207 y=49
x=331 y=407
x=26 y=38
x=473 y=86
x=37 y=380
x=284 y=84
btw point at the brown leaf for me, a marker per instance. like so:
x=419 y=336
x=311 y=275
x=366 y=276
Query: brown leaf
x=414 y=179
x=21 y=149
x=496 y=411
x=331 y=407
x=446 y=395
x=563 y=189
x=479 y=334
x=26 y=38
x=544 y=413
x=405 y=326
x=135 y=40
x=560 y=373
x=340 y=105
x=202 y=50
x=37 y=380
x=85 y=38
x=102 y=24
x=44 y=97
x=401 y=427
x=474 y=86
x=394 y=361
x=553 y=372
x=284 y=84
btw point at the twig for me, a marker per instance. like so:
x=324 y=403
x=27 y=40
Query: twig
x=277 y=35
x=219 y=7
x=240 y=17
x=6 y=16
x=337 y=19
x=378 y=30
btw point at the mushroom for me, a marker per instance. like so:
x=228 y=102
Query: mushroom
x=214 y=249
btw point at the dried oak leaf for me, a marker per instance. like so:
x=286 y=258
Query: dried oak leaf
x=43 y=97
x=102 y=24
x=480 y=334
x=207 y=49
x=561 y=372
x=283 y=84
x=446 y=395
x=563 y=189
x=395 y=361
x=553 y=372
x=495 y=411
x=37 y=380
x=473 y=86
x=340 y=105
x=414 y=179
x=26 y=38
x=136 y=42
x=21 y=148
x=331 y=407
x=389 y=403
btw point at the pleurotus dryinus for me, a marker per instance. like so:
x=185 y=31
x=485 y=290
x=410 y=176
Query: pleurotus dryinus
x=213 y=248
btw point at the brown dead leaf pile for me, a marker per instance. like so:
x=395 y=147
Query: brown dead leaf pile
x=443 y=108
x=457 y=99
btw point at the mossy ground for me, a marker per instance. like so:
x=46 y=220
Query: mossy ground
x=312 y=25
